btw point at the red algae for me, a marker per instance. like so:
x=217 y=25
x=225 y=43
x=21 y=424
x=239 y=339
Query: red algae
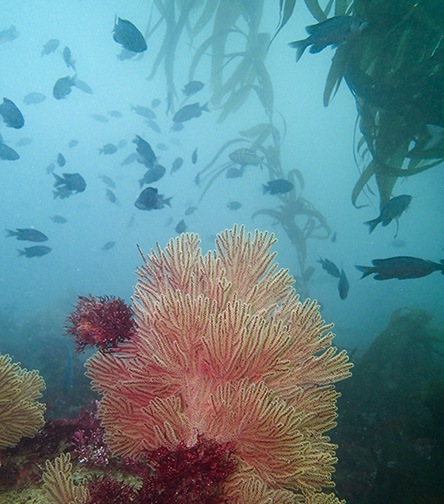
x=102 y=322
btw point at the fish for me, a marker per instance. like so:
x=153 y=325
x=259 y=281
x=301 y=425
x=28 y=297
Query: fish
x=73 y=143
x=33 y=98
x=62 y=87
x=334 y=237
x=234 y=172
x=153 y=174
x=50 y=168
x=8 y=153
x=99 y=118
x=11 y=114
x=150 y=199
x=59 y=219
x=190 y=210
x=108 y=181
x=126 y=34
x=147 y=156
x=401 y=267
x=72 y=182
x=83 y=86
x=391 y=210
x=180 y=227
x=9 y=34
x=50 y=46
x=61 y=161
x=162 y=146
x=115 y=113
x=177 y=127
x=333 y=31
x=108 y=149
x=108 y=245
x=36 y=251
x=192 y=87
x=343 y=285
x=129 y=159
x=330 y=267
x=278 y=186
x=67 y=58
x=189 y=112
x=27 y=235
x=177 y=163
x=234 y=205
x=111 y=196
x=154 y=126
x=24 y=141
x=194 y=156
x=155 y=103
x=245 y=157
x=144 y=112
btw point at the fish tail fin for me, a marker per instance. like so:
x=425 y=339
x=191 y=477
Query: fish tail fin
x=205 y=107
x=11 y=233
x=55 y=194
x=300 y=46
x=265 y=188
x=167 y=201
x=372 y=224
x=141 y=182
x=365 y=270
x=59 y=180
x=20 y=253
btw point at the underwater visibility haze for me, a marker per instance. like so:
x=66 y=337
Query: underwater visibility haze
x=192 y=194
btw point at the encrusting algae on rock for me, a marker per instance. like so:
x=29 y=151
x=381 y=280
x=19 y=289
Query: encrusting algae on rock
x=225 y=388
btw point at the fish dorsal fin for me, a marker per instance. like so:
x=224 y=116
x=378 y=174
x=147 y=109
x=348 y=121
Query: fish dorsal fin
x=311 y=28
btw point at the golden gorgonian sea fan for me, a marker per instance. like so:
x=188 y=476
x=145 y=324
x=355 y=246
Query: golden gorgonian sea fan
x=20 y=413
x=225 y=351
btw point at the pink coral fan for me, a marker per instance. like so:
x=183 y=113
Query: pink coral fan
x=225 y=351
x=103 y=322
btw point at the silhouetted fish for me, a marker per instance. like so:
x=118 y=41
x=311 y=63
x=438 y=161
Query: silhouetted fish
x=67 y=58
x=108 y=245
x=391 y=210
x=8 y=153
x=181 y=227
x=36 y=251
x=8 y=35
x=194 y=156
x=147 y=156
x=33 y=98
x=27 y=235
x=126 y=34
x=150 y=199
x=63 y=87
x=71 y=182
x=153 y=174
x=234 y=205
x=59 y=219
x=402 y=268
x=278 y=186
x=11 y=114
x=189 y=112
x=343 y=285
x=61 y=161
x=111 y=196
x=108 y=149
x=177 y=163
x=192 y=87
x=330 y=267
x=50 y=46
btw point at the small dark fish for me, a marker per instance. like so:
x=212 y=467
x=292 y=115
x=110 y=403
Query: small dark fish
x=177 y=163
x=62 y=87
x=67 y=58
x=192 y=87
x=8 y=35
x=73 y=143
x=190 y=210
x=180 y=227
x=333 y=31
x=72 y=182
x=12 y=116
x=83 y=86
x=402 y=268
x=28 y=235
x=24 y=141
x=111 y=196
x=194 y=156
x=234 y=205
x=334 y=237
x=144 y=112
x=8 y=153
x=245 y=157
x=59 y=219
x=50 y=46
x=125 y=55
x=330 y=267
x=126 y=34
x=391 y=210
x=108 y=149
x=278 y=186
x=108 y=181
x=61 y=161
x=154 y=126
x=62 y=193
x=234 y=172
x=108 y=245
x=148 y=158
x=36 y=251
x=115 y=113
x=155 y=103
x=129 y=159
x=150 y=199
x=343 y=285
x=32 y=98
x=177 y=127
x=153 y=174
x=50 y=168
x=99 y=118
x=189 y=112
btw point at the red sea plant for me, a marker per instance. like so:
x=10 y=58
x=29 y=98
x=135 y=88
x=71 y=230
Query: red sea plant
x=103 y=322
x=224 y=352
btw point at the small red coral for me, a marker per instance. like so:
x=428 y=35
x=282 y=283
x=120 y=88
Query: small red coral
x=110 y=490
x=103 y=322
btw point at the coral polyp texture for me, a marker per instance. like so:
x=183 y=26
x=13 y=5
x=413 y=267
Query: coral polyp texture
x=225 y=352
x=21 y=415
